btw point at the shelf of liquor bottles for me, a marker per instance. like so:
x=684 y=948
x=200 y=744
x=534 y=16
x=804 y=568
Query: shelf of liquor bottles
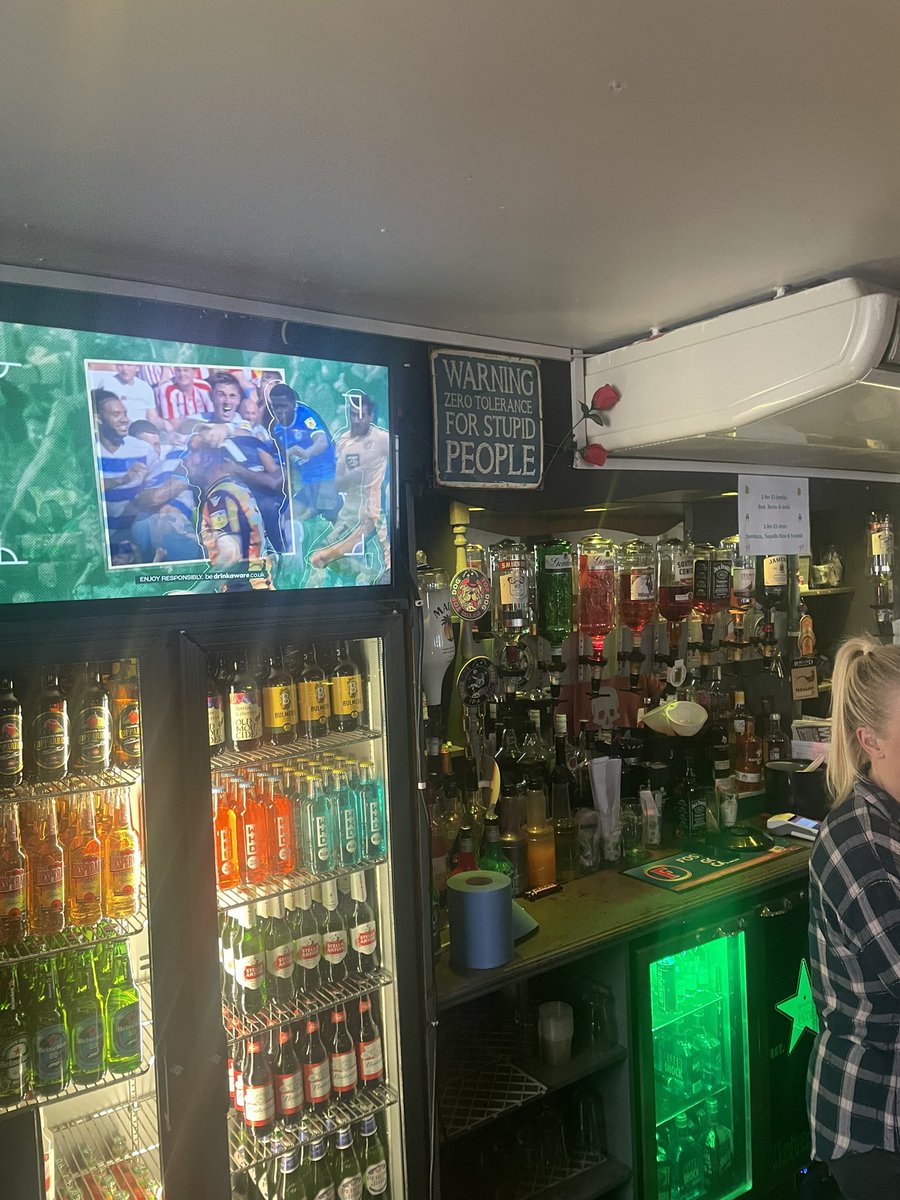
x=108 y=1077
x=271 y=755
x=281 y=885
x=121 y=1142
x=70 y=785
x=306 y=1004
x=249 y=1151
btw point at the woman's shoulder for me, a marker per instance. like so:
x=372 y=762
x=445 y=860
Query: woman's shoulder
x=858 y=840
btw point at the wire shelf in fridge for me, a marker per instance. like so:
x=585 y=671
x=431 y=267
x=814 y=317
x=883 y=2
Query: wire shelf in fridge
x=77 y=937
x=126 y=1134
x=248 y=1151
x=70 y=785
x=307 y=1004
x=280 y=885
x=269 y=754
x=479 y=1096
x=110 y=1078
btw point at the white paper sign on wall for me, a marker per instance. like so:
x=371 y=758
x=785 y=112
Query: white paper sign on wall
x=773 y=514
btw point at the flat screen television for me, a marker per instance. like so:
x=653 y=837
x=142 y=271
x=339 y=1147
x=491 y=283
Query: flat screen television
x=133 y=467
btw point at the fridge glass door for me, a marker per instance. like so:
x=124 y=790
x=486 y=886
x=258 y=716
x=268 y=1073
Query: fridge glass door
x=302 y=821
x=701 y=1098
x=76 y=1009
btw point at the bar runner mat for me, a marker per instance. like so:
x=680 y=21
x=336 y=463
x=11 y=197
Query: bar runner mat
x=680 y=872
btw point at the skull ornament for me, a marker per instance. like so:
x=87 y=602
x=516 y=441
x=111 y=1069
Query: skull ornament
x=605 y=708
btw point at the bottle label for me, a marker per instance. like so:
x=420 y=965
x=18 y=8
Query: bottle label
x=600 y=562
x=123 y=872
x=246 y=719
x=13 y=1063
x=128 y=731
x=740 y=726
x=50 y=735
x=722 y=764
x=775 y=754
x=350 y=1187
x=280 y=961
x=87 y=1044
x=557 y=562
x=48 y=887
x=228 y=864
x=259 y=1105
x=375 y=826
x=513 y=585
x=280 y=708
x=308 y=951
x=683 y=571
x=94 y=735
x=325 y=1193
x=283 y=837
x=252 y=840
x=775 y=570
x=10 y=746
x=742 y=581
x=84 y=879
x=313 y=697
x=343 y=1071
x=701 y=579
x=239 y=1089
x=334 y=946
x=50 y=1051
x=882 y=544
x=215 y=715
x=289 y=1163
x=289 y=1093
x=125 y=1031
x=321 y=835
x=228 y=959
x=371 y=1059
x=721 y=581
x=747 y=776
x=346 y=695
x=641 y=583
x=349 y=832
x=376 y=1178
x=250 y=971
x=12 y=894
x=317 y=1082
x=364 y=937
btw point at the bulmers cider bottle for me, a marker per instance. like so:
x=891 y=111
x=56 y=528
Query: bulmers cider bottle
x=312 y=697
x=346 y=692
x=279 y=702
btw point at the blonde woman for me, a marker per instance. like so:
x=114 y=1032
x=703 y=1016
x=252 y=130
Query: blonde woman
x=854 y=1075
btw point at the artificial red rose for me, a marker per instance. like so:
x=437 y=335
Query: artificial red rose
x=595 y=454
x=605 y=398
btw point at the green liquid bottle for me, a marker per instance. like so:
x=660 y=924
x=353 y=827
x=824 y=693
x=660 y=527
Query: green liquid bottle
x=15 y=1072
x=319 y=1179
x=123 y=1015
x=47 y=1032
x=555 y=591
x=348 y=1183
x=373 y=1161
x=87 y=1039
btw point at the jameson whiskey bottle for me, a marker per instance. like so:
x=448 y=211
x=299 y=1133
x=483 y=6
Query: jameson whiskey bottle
x=93 y=726
x=244 y=711
x=50 y=730
x=312 y=697
x=279 y=700
x=10 y=735
x=126 y=710
x=346 y=692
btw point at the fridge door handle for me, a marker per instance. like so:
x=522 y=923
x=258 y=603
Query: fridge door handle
x=164 y=1077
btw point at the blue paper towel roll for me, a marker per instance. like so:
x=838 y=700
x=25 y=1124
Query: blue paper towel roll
x=480 y=907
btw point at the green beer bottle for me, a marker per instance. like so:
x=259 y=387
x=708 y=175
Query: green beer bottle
x=47 y=1032
x=319 y=1179
x=347 y=1173
x=15 y=1073
x=373 y=1161
x=291 y=1185
x=87 y=1044
x=122 y=1015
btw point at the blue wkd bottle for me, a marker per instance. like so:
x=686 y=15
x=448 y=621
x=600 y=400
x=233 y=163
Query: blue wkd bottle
x=348 y=851
x=371 y=812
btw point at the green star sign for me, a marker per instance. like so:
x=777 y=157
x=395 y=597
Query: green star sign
x=800 y=1008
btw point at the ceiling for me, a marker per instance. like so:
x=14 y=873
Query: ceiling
x=571 y=173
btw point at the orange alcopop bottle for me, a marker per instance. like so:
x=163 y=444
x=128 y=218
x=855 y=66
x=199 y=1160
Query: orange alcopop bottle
x=46 y=874
x=228 y=869
x=282 y=854
x=83 y=868
x=121 y=863
x=252 y=829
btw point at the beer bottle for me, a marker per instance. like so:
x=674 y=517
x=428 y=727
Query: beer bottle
x=334 y=937
x=240 y=1062
x=307 y=944
x=121 y=862
x=249 y=963
x=15 y=1070
x=319 y=1178
x=364 y=958
x=288 y=1080
x=279 y=698
x=83 y=869
x=93 y=725
x=13 y=877
x=279 y=825
x=47 y=1037
x=87 y=1042
x=316 y=1071
x=369 y=1052
x=312 y=697
x=252 y=832
x=103 y=967
x=347 y=1175
x=346 y=692
x=122 y=1015
x=279 y=947
x=373 y=1161
x=228 y=870
x=50 y=730
x=46 y=875
x=215 y=712
x=259 y=1090
x=126 y=710
x=10 y=735
x=291 y=1184
x=342 y=1056
x=244 y=713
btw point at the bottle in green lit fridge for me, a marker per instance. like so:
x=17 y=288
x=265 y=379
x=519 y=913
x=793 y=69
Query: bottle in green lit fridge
x=373 y=1162
x=87 y=1038
x=14 y=1058
x=47 y=1033
x=122 y=1015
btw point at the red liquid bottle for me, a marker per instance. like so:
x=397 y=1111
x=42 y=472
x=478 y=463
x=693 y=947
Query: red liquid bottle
x=637 y=585
x=596 y=595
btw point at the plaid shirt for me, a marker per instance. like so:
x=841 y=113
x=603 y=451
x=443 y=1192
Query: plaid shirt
x=853 y=1087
